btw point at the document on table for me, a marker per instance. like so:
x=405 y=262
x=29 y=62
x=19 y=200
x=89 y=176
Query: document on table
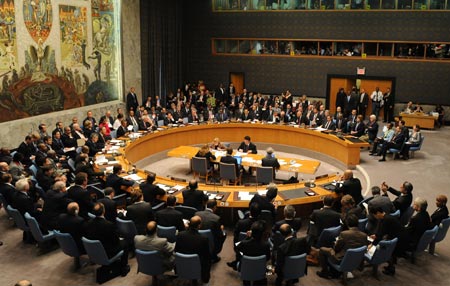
x=134 y=177
x=245 y=196
x=164 y=187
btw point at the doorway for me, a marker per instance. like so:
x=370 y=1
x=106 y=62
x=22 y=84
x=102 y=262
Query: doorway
x=238 y=80
x=369 y=83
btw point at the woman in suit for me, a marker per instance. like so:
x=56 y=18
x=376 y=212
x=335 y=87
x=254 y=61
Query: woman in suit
x=441 y=212
x=413 y=141
x=205 y=153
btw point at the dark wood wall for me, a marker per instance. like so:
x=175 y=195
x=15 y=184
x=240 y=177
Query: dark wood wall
x=425 y=82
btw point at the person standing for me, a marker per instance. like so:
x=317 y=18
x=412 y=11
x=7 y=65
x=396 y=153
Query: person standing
x=132 y=100
x=363 y=102
x=377 y=101
x=388 y=99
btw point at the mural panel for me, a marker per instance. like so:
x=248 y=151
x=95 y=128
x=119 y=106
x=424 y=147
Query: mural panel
x=73 y=66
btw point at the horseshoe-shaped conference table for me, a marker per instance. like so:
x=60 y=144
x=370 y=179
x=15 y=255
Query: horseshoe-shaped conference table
x=341 y=149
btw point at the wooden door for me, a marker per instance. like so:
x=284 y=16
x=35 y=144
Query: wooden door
x=335 y=85
x=238 y=80
x=370 y=85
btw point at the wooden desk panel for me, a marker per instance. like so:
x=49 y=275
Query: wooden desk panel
x=423 y=120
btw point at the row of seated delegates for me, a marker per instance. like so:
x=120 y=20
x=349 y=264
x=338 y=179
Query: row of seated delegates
x=411 y=108
x=395 y=138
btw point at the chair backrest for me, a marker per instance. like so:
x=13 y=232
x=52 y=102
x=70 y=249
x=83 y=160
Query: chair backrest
x=426 y=238
x=406 y=215
x=149 y=262
x=95 y=251
x=67 y=244
x=187 y=211
x=362 y=224
x=18 y=218
x=71 y=163
x=294 y=266
x=199 y=165
x=169 y=232
x=242 y=235
x=4 y=203
x=208 y=233
x=442 y=231
x=396 y=214
x=328 y=236
x=253 y=268
x=384 y=251
x=420 y=143
x=126 y=228
x=352 y=259
x=227 y=171
x=34 y=227
x=158 y=207
x=264 y=175
x=33 y=170
x=113 y=134
x=188 y=266
x=91 y=215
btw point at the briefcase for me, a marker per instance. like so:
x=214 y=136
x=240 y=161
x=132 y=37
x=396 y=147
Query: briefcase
x=108 y=272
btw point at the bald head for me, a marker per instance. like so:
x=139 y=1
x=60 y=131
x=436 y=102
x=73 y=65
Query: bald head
x=151 y=227
x=195 y=222
x=285 y=230
x=73 y=208
x=348 y=174
x=23 y=283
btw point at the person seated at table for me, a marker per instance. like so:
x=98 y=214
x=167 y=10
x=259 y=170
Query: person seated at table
x=116 y=182
x=413 y=141
x=418 y=108
x=341 y=124
x=358 y=128
x=221 y=116
x=216 y=145
x=329 y=124
x=270 y=160
x=409 y=108
x=122 y=130
x=247 y=146
x=205 y=153
x=105 y=124
x=396 y=143
x=387 y=136
x=229 y=159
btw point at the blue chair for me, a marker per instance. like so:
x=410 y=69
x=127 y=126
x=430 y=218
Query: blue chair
x=208 y=234
x=33 y=170
x=396 y=214
x=253 y=268
x=328 y=236
x=406 y=215
x=440 y=235
x=352 y=260
x=97 y=253
x=382 y=254
x=169 y=232
x=425 y=240
x=294 y=267
x=36 y=230
x=362 y=224
x=228 y=173
x=188 y=266
x=187 y=211
x=158 y=207
x=242 y=235
x=413 y=150
x=150 y=263
x=20 y=223
x=69 y=247
x=127 y=230
x=5 y=204
x=396 y=151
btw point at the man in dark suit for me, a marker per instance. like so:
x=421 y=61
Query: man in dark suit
x=340 y=98
x=193 y=197
x=290 y=219
x=103 y=230
x=265 y=202
x=191 y=241
x=80 y=195
x=109 y=204
x=419 y=223
x=378 y=201
x=169 y=216
x=85 y=166
x=247 y=146
x=140 y=212
x=350 y=186
x=388 y=106
x=55 y=204
x=372 y=128
x=23 y=202
x=270 y=160
x=229 y=159
x=441 y=212
x=351 y=238
x=152 y=193
x=70 y=222
x=27 y=149
x=396 y=143
x=351 y=102
x=404 y=196
x=363 y=102
x=123 y=129
x=6 y=188
x=323 y=218
x=329 y=123
x=211 y=221
x=132 y=100
x=118 y=183
x=290 y=247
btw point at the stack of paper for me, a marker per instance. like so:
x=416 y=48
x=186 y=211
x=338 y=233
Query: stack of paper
x=245 y=196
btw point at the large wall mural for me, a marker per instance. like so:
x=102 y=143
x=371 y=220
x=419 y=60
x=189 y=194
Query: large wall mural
x=57 y=54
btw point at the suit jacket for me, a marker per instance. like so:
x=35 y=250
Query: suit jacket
x=74 y=225
x=192 y=242
x=290 y=247
x=438 y=215
x=269 y=161
x=170 y=217
x=55 y=204
x=94 y=148
x=110 y=208
x=228 y=159
x=24 y=204
x=212 y=221
x=150 y=192
x=253 y=247
x=140 y=213
x=243 y=225
x=132 y=101
x=351 y=187
x=347 y=239
x=88 y=169
x=264 y=204
x=321 y=219
x=295 y=224
x=193 y=198
x=329 y=126
x=8 y=191
x=402 y=201
x=359 y=128
x=418 y=224
x=116 y=182
x=101 y=229
x=82 y=197
x=68 y=141
x=250 y=147
x=372 y=130
x=160 y=244
x=121 y=131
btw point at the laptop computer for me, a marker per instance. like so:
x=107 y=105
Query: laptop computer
x=239 y=159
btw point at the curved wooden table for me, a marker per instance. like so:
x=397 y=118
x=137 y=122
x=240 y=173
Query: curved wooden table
x=342 y=150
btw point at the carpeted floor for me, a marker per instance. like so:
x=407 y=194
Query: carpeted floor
x=429 y=172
